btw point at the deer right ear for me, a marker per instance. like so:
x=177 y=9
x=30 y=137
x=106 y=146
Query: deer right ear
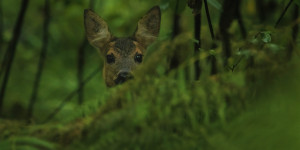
x=96 y=29
x=148 y=27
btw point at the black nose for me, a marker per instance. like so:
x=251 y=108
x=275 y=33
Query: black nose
x=122 y=77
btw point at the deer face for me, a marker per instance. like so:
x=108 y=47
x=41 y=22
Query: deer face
x=121 y=55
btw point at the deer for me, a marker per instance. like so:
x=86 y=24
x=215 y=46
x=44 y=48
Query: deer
x=121 y=55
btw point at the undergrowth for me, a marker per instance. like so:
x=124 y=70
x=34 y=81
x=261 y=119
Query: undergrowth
x=251 y=105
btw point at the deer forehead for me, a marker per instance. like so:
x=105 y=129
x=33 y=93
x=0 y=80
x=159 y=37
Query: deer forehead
x=124 y=47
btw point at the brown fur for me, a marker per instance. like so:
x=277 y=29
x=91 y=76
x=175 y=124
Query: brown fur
x=124 y=50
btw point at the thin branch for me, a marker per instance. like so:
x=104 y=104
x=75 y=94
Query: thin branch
x=283 y=13
x=236 y=64
x=4 y=62
x=81 y=62
x=80 y=69
x=71 y=95
x=12 y=48
x=174 y=61
x=212 y=58
x=295 y=31
x=176 y=23
x=197 y=34
x=92 y=4
x=241 y=23
x=227 y=16
x=209 y=21
x=41 y=59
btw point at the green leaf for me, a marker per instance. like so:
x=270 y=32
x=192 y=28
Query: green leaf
x=195 y=40
x=212 y=52
x=274 y=47
x=215 y=4
x=165 y=4
x=266 y=37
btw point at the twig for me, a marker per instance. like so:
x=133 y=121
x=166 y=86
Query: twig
x=295 y=31
x=209 y=20
x=92 y=4
x=283 y=13
x=81 y=62
x=197 y=46
x=212 y=58
x=80 y=69
x=4 y=62
x=241 y=23
x=228 y=15
x=236 y=64
x=174 y=61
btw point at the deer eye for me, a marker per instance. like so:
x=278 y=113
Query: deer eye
x=138 y=58
x=110 y=58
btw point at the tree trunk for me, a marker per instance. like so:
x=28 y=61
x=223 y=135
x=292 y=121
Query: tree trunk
x=41 y=61
x=230 y=7
x=81 y=62
x=197 y=46
x=12 y=48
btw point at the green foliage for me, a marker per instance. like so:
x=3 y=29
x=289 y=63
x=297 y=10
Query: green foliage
x=265 y=37
x=164 y=111
x=26 y=143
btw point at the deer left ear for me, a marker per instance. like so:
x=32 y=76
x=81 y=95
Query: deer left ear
x=148 y=27
x=96 y=29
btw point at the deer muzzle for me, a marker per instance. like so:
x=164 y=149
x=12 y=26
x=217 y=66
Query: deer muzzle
x=123 y=76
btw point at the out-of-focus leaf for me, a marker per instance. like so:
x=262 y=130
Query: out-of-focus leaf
x=244 y=52
x=274 y=47
x=165 y=4
x=212 y=52
x=215 y=4
x=195 y=40
x=264 y=37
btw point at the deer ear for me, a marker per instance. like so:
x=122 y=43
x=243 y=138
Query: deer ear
x=148 y=27
x=96 y=29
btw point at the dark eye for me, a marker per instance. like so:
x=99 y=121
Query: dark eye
x=138 y=58
x=110 y=58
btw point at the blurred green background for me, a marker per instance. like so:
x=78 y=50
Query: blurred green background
x=243 y=108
